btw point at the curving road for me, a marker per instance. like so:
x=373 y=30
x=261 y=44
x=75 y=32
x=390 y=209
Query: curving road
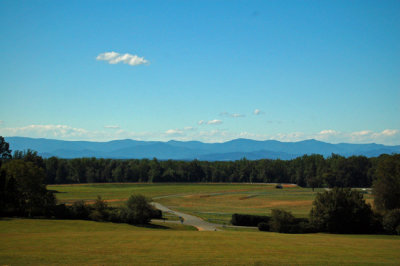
x=188 y=219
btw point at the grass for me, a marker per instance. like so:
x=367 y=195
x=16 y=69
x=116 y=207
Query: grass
x=213 y=202
x=25 y=241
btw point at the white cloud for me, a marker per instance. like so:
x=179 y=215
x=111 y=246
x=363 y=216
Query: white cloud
x=46 y=131
x=258 y=112
x=174 y=132
x=1 y=122
x=231 y=115
x=112 y=127
x=189 y=128
x=387 y=136
x=115 y=58
x=214 y=122
x=389 y=132
x=211 y=122
x=362 y=133
x=328 y=132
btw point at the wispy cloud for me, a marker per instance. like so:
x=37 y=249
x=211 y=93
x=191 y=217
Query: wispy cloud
x=115 y=58
x=274 y=121
x=214 y=122
x=211 y=122
x=258 y=112
x=112 y=127
x=231 y=115
x=46 y=131
x=387 y=136
x=174 y=132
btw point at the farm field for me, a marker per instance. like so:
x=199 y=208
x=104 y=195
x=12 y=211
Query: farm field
x=34 y=241
x=213 y=202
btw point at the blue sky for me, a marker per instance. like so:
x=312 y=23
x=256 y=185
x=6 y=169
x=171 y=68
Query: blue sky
x=201 y=70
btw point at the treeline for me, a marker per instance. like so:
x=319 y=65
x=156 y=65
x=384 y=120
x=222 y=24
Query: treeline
x=306 y=171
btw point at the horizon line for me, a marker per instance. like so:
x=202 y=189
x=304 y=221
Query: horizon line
x=166 y=141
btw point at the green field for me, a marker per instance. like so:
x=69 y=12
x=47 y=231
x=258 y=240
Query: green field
x=26 y=241
x=213 y=202
x=35 y=241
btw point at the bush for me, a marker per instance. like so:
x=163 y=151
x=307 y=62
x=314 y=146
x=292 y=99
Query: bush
x=79 y=210
x=157 y=214
x=398 y=230
x=263 y=226
x=282 y=221
x=341 y=210
x=100 y=210
x=61 y=211
x=248 y=220
x=391 y=222
x=137 y=211
x=114 y=215
x=304 y=227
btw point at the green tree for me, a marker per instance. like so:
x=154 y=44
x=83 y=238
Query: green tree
x=386 y=187
x=99 y=212
x=391 y=221
x=5 y=152
x=25 y=181
x=281 y=221
x=341 y=210
x=137 y=210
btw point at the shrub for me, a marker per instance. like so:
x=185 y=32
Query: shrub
x=79 y=210
x=137 y=210
x=114 y=215
x=282 y=221
x=263 y=226
x=304 y=227
x=157 y=214
x=248 y=220
x=61 y=211
x=391 y=221
x=100 y=210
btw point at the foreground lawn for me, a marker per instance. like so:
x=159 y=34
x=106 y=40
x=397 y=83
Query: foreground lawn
x=214 y=202
x=25 y=241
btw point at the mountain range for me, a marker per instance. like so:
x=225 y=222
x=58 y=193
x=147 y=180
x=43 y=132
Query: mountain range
x=189 y=150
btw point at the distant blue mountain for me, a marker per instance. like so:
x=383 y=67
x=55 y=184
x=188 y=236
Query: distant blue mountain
x=189 y=150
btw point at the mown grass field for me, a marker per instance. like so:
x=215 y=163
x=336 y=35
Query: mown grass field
x=214 y=202
x=25 y=241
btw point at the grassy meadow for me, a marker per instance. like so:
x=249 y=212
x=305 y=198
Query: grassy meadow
x=213 y=202
x=34 y=241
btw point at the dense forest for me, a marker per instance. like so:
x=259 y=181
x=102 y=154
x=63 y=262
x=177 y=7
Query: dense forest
x=306 y=171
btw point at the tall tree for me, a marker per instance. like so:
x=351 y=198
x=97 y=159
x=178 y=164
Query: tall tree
x=386 y=187
x=341 y=210
x=5 y=152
